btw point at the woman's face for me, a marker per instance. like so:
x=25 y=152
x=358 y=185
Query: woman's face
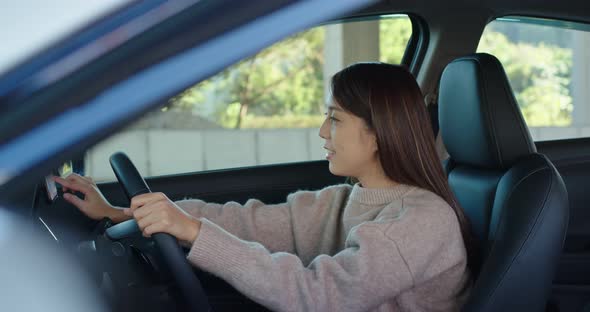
x=351 y=146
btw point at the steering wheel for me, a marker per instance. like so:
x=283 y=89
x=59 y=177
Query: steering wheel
x=172 y=253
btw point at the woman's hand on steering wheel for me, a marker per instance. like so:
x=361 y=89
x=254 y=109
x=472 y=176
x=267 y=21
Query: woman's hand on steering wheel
x=156 y=213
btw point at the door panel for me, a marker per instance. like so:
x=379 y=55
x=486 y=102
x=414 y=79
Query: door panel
x=270 y=184
x=571 y=291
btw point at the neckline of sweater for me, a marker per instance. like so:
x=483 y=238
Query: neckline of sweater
x=379 y=196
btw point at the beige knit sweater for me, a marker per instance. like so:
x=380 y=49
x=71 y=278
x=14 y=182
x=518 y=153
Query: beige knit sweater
x=342 y=248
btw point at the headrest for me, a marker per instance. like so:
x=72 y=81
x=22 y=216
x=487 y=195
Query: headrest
x=480 y=122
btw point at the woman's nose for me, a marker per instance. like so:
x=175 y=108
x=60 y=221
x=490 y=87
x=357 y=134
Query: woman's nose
x=324 y=132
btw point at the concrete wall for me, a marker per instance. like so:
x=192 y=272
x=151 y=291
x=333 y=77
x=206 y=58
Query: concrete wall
x=158 y=152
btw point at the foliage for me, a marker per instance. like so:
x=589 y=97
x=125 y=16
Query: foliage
x=394 y=36
x=286 y=78
x=283 y=85
x=539 y=75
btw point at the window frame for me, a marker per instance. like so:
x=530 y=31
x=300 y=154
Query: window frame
x=415 y=41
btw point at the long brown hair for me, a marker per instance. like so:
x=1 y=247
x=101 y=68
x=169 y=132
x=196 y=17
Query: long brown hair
x=388 y=98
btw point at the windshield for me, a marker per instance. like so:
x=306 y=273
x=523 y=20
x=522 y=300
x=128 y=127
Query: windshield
x=29 y=26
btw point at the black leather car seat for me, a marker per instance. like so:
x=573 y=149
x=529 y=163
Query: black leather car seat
x=514 y=197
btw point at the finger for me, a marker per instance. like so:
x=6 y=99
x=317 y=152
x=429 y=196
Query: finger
x=150 y=219
x=154 y=229
x=63 y=188
x=128 y=212
x=148 y=208
x=73 y=185
x=144 y=199
x=88 y=179
x=74 y=200
x=77 y=178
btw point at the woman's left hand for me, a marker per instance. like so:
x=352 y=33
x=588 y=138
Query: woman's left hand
x=156 y=213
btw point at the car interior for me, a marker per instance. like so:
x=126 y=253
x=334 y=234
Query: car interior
x=521 y=181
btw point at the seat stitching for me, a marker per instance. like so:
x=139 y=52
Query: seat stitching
x=488 y=112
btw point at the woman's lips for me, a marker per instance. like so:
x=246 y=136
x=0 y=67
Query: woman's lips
x=329 y=154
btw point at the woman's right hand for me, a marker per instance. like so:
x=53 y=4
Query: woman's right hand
x=94 y=205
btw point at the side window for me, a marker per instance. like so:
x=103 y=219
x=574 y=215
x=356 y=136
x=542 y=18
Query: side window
x=263 y=110
x=548 y=65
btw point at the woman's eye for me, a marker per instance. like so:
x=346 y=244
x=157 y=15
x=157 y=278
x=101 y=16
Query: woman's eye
x=331 y=118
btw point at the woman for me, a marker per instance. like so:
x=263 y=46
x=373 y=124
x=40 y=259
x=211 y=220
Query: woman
x=395 y=241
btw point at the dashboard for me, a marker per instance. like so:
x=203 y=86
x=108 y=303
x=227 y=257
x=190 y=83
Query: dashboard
x=127 y=268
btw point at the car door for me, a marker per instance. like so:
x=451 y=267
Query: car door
x=571 y=291
x=187 y=152
x=63 y=101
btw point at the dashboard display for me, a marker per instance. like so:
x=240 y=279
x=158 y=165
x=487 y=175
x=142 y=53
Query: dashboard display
x=50 y=186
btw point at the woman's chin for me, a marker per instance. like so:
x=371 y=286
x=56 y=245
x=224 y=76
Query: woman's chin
x=335 y=170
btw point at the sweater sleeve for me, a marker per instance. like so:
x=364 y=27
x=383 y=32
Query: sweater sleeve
x=274 y=226
x=368 y=272
x=253 y=221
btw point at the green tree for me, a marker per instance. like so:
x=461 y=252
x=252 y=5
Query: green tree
x=281 y=86
x=394 y=34
x=539 y=75
x=283 y=79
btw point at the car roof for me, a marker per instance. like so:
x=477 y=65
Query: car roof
x=573 y=10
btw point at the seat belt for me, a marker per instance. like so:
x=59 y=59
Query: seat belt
x=431 y=100
x=433 y=113
x=432 y=107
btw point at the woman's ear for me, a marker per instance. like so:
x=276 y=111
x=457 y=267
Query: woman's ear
x=372 y=138
x=374 y=145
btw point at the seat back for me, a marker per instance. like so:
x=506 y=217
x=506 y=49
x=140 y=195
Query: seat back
x=514 y=197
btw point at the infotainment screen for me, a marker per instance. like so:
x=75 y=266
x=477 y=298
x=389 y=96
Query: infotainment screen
x=50 y=185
